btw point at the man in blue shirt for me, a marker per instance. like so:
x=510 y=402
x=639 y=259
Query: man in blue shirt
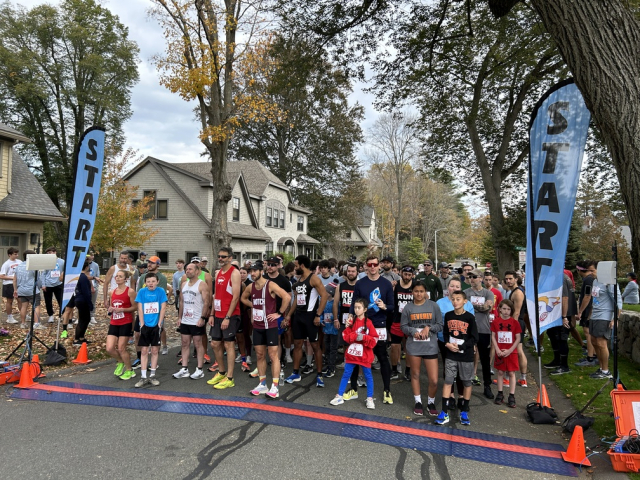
x=152 y=305
x=52 y=283
x=94 y=276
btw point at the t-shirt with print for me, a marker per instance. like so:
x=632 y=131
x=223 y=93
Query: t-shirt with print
x=151 y=302
x=477 y=298
x=506 y=331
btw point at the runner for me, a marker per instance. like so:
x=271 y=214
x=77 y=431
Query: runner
x=175 y=283
x=482 y=301
x=204 y=262
x=142 y=258
x=153 y=266
x=586 y=271
x=7 y=272
x=505 y=336
x=559 y=335
x=274 y=274
x=225 y=318
x=445 y=277
x=261 y=297
x=52 y=284
x=96 y=281
x=195 y=296
x=23 y=282
x=122 y=304
x=152 y=307
x=430 y=281
x=306 y=321
x=403 y=293
x=515 y=293
x=420 y=322
x=82 y=301
x=330 y=323
x=341 y=305
x=244 y=333
x=380 y=295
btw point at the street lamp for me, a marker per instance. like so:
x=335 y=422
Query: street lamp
x=436 y=241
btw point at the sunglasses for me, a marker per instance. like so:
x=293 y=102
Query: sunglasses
x=474 y=276
x=372 y=264
x=223 y=256
x=272 y=264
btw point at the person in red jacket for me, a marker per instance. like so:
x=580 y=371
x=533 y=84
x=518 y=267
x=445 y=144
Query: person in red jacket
x=360 y=336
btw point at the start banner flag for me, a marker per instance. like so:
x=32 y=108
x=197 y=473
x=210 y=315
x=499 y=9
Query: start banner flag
x=87 y=178
x=558 y=134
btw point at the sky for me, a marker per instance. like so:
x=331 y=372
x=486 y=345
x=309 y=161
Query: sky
x=163 y=125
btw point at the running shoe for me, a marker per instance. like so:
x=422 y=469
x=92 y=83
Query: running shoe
x=475 y=381
x=404 y=355
x=23 y=325
x=325 y=369
x=259 y=390
x=442 y=419
x=77 y=343
x=601 y=374
x=182 y=373
x=214 y=368
x=294 y=377
x=376 y=365
x=128 y=375
x=523 y=382
x=245 y=367
x=198 y=374
x=319 y=382
x=273 y=392
x=432 y=409
x=12 y=320
x=330 y=373
x=337 y=400
x=387 y=398
x=64 y=334
x=499 y=398
x=136 y=363
x=488 y=393
x=307 y=370
x=91 y=322
x=417 y=410
x=119 y=369
x=585 y=362
x=207 y=358
x=361 y=381
x=248 y=360
x=217 y=378
x=226 y=383
x=464 y=418
x=154 y=381
x=505 y=382
x=350 y=395
x=370 y=403
x=165 y=350
x=551 y=365
x=289 y=359
x=492 y=372
x=340 y=366
x=52 y=319
x=38 y=326
x=560 y=371
x=395 y=375
x=511 y=401
x=239 y=358
x=142 y=382
x=407 y=377
x=255 y=373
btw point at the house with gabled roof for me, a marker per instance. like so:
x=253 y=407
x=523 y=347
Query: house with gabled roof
x=360 y=240
x=262 y=218
x=24 y=205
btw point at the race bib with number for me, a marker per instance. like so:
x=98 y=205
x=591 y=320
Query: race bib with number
x=595 y=292
x=456 y=341
x=475 y=300
x=345 y=317
x=492 y=317
x=428 y=339
x=355 y=349
x=188 y=313
x=301 y=299
x=117 y=315
x=55 y=274
x=401 y=306
x=217 y=305
x=328 y=318
x=151 y=308
x=382 y=333
x=505 y=337
x=258 y=315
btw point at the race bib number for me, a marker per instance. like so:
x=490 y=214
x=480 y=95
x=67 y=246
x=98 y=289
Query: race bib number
x=428 y=339
x=258 y=315
x=456 y=341
x=55 y=274
x=505 y=337
x=301 y=299
x=401 y=306
x=151 y=308
x=428 y=295
x=475 y=300
x=217 y=305
x=229 y=288
x=355 y=350
x=188 y=313
x=117 y=315
x=595 y=292
x=492 y=317
x=328 y=318
x=345 y=317
x=382 y=333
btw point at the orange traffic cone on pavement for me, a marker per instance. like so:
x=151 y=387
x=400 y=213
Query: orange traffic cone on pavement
x=83 y=355
x=26 y=376
x=545 y=397
x=36 y=360
x=576 y=452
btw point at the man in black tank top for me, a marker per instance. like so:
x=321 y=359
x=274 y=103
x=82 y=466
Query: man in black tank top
x=516 y=295
x=309 y=299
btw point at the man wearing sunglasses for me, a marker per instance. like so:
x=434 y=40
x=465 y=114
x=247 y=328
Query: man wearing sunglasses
x=273 y=274
x=482 y=301
x=379 y=292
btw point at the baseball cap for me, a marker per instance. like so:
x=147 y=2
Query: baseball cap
x=257 y=266
x=388 y=258
x=477 y=272
x=443 y=265
x=195 y=259
x=143 y=253
x=273 y=260
x=204 y=259
x=143 y=265
x=153 y=259
x=429 y=262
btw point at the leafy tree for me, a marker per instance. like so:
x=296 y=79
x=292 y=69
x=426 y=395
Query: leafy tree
x=62 y=69
x=119 y=222
x=412 y=252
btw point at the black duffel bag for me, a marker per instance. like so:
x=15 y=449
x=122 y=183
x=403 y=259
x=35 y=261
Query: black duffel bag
x=541 y=415
x=575 y=419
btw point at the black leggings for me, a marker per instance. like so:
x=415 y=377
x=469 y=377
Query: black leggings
x=84 y=317
x=48 y=297
x=484 y=351
x=380 y=351
x=559 y=338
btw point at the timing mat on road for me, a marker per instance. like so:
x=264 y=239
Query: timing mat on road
x=495 y=449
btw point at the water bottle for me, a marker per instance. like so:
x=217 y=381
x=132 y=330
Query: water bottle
x=281 y=381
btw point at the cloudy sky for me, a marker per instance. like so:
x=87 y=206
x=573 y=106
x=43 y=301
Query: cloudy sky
x=163 y=125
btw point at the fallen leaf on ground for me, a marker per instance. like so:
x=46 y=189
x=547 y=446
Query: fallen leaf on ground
x=503 y=411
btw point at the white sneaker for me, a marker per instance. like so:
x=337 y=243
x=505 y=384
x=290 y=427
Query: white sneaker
x=10 y=319
x=23 y=325
x=259 y=390
x=75 y=321
x=93 y=321
x=197 y=374
x=248 y=360
x=370 y=404
x=239 y=359
x=38 y=326
x=165 y=350
x=51 y=319
x=289 y=359
x=273 y=392
x=182 y=373
x=338 y=400
x=28 y=318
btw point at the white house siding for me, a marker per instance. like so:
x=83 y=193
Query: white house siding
x=5 y=148
x=191 y=187
x=245 y=218
x=243 y=246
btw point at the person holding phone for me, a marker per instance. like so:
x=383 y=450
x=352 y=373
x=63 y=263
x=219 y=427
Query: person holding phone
x=587 y=271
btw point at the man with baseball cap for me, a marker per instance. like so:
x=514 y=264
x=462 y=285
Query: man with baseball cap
x=142 y=258
x=430 y=282
x=445 y=277
x=204 y=261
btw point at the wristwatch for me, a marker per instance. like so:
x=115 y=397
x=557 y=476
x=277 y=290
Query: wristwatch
x=227 y=317
x=318 y=315
x=204 y=318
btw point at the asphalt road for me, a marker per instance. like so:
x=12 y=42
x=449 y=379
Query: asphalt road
x=57 y=440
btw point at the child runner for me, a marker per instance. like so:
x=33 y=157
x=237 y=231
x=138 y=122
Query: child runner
x=361 y=336
x=420 y=321
x=505 y=335
x=461 y=337
x=152 y=305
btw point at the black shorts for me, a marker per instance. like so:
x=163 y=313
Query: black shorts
x=192 y=330
x=29 y=299
x=149 y=336
x=427 y=357
x=120 y=330
x=229 y=334
x=268 y=337
x=523 y=326
x=396 y=339
x=7 y=291
x=304 y=328
x=136 y=324
x=584 y=322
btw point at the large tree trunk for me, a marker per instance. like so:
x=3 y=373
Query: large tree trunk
x=496 y=221
x=221 y=197
x=600 y=41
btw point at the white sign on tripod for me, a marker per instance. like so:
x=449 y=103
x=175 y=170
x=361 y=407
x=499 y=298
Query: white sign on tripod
x=43 y=261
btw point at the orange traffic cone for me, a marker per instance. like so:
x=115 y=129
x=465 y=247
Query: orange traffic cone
x=576 y=452
x=36 y=360
x=26 y=376
x=545 y=397
x=83 y=356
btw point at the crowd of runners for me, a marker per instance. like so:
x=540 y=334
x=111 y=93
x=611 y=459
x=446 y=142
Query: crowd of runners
x=325 y=318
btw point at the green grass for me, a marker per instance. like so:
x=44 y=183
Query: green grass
x=633 y=308
x=580 y=388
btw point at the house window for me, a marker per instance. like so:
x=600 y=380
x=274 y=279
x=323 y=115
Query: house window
x=9 y=241
x=269 y=216
x=158 y=209
x=236 y=209
x=162 y=207
x=269 y=249
x=290 y=217
x=189 y=255
x=348 y=235
x=281 y=218
x=275 y=218
x=300 y=223
x=151 y=212
x=275 y=214
x=164 y=257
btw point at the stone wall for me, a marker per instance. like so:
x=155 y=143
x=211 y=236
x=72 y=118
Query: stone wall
x=629 y=335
